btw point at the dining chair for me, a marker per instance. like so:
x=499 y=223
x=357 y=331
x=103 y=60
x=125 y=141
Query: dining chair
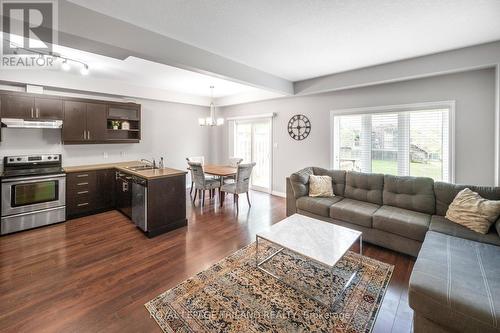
x=195 y=159
x=234 y=162
x=240 y=186
x=202 y=183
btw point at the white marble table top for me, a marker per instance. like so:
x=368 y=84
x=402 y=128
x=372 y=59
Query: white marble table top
x=321 y=241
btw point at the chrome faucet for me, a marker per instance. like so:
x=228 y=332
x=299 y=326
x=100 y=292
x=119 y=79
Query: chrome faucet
x=153 y=163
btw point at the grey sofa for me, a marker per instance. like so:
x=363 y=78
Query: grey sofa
x=455 y=283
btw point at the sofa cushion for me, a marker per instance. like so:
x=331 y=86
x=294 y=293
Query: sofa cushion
x=445 y=226
x=446 y=192
x=300 y=182
x=456 y=283
x=319 y=206
x=413 y=193
x=320 y=186
x=364 y=187
x=473 y=211
x=403 y=222
x=354 y=211
x=338 y=178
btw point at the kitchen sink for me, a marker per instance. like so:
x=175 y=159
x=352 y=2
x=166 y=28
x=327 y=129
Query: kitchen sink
x=140 y=167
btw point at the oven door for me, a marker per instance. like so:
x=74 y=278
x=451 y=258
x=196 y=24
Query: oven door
x=28 y=194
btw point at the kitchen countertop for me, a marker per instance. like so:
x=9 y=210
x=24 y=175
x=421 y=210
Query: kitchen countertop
x=122 y=166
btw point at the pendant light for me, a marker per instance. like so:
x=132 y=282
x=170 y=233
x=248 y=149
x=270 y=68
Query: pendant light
x=211 y=120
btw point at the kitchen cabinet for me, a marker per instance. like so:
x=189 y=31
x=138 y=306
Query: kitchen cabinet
x=17 y=107
x=74 y=125
x=96 y=122
x=89 y=192
x=155 y=200
x=29 y=107
x=80 y=193
x=48 y=108
x=105 y=189
x=84 y=122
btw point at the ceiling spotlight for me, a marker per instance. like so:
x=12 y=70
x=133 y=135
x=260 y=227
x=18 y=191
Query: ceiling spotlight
x=65 y=65
x=85 y=69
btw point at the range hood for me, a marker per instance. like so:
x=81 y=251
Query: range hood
x=21 y=123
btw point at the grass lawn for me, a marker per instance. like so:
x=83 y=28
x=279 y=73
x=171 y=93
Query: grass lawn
x=431 y=169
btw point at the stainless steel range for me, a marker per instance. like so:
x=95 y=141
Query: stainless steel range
x=33 y=192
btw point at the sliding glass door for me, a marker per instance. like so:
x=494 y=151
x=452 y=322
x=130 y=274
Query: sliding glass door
x=252 y=142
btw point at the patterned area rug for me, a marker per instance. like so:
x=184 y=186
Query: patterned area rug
x=234 y=296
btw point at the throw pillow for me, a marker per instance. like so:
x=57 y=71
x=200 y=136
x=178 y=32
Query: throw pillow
x=320 y=186
x=471 y=210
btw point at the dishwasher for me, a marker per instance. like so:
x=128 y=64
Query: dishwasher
x=140 y=203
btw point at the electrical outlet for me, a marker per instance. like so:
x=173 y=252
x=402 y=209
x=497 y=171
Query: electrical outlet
x=122 y=154
x=104 y=155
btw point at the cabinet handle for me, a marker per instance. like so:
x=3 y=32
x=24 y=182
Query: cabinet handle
x=82 y=204
x=82 y=192
x=88 y=135
x=82 y=175
x=32 y=116
x=81 y=184
x=37 y=112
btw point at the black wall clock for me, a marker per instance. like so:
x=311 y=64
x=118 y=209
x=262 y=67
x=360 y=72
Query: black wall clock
x=299 y=127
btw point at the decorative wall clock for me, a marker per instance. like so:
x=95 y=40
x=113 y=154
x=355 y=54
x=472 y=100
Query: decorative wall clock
x=299 y=127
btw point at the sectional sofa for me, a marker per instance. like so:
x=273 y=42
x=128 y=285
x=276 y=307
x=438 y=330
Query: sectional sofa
x=455 y=283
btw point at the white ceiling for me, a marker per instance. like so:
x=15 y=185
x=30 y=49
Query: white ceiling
x=300 y=39
x=136 y=77
x=151 y=74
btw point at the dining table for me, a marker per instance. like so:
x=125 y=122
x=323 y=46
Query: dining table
x=219 y=170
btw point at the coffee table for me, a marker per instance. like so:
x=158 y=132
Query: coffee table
x=322 y=242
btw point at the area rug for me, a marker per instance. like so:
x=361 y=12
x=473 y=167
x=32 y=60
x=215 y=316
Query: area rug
x=234 y=296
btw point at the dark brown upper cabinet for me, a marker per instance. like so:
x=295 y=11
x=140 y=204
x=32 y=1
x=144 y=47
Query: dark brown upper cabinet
x=96 y=122
x=29 y=107
x=48 y=108
x=75 y=122
x=84 y=122
x=21 y=107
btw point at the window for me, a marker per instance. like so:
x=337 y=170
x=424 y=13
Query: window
x=404 y=141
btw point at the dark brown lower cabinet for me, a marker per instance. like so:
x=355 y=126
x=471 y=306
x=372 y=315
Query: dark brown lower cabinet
x=89 y=192
x=166 y=204
x=95 y=191
x=105 y=193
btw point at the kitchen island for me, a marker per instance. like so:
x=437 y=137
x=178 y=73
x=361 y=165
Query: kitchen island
x=154 y=199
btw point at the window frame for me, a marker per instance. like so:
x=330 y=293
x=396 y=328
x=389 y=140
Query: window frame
x=450 y=105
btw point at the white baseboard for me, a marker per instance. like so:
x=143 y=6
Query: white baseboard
x=279 y=194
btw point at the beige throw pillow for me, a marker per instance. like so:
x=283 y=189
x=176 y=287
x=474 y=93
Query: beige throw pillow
x=471 y=210
x=320 y=186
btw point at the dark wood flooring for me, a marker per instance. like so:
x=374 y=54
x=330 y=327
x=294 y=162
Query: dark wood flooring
x=94 y=274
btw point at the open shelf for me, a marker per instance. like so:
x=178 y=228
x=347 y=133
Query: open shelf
x=121 y=129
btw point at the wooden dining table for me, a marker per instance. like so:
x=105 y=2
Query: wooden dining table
x=219 y=170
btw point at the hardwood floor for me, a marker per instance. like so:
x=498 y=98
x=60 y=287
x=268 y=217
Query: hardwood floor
x=94 y=274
